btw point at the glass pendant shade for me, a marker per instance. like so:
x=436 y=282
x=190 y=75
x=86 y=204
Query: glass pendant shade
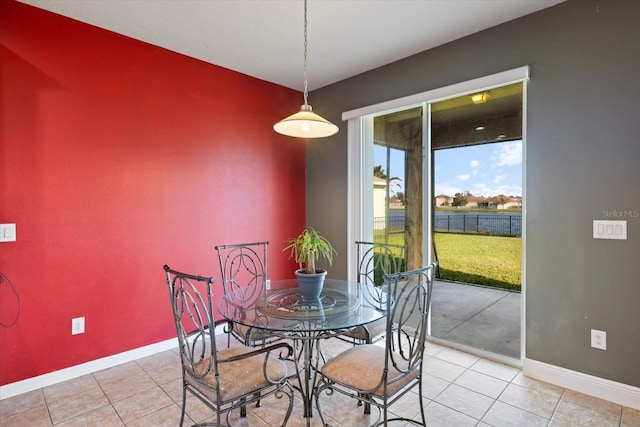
x=305 y=124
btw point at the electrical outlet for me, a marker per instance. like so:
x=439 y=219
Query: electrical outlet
x=7 y=232
x=77 y=326
x=598 y=339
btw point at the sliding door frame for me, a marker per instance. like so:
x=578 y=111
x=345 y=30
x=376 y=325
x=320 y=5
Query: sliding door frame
x=360 y=164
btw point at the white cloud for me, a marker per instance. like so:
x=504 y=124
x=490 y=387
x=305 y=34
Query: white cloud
x=447 y=189
x=510 y=154
x=498 y=179
x=474 y=163
x=480 y=189
x=508 y=190
x=464 y=177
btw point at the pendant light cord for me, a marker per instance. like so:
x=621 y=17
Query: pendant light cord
x=305 y=53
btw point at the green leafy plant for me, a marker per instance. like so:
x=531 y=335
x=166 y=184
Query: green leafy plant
x=308 y=247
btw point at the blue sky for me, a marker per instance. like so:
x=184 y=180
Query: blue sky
x=483 y=170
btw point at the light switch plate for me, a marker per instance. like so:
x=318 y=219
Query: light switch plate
x=605 y=229
x=7 y=232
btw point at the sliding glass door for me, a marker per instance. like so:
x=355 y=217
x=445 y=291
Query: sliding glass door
x=476 y=142
x=393 y=197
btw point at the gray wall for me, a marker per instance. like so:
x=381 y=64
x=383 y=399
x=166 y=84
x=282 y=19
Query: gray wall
x=581 y=159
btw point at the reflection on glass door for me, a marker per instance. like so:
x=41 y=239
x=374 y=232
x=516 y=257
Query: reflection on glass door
x=398 y=182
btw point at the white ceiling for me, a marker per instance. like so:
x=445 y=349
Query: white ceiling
x=264 y=38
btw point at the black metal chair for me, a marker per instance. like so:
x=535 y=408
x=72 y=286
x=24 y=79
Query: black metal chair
x=380 y=375
x=225 y=379
x=243 y=268
x=374 y=261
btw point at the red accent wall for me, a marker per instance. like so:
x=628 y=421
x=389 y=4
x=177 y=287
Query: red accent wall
x=116 y=158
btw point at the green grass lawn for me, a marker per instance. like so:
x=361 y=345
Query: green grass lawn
x=484 y=260
x=474 y=258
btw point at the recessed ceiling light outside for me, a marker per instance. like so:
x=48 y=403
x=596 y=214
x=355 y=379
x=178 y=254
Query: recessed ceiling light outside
x=480 y=98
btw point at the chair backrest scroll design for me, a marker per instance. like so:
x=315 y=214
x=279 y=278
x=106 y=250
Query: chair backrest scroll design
x=195 y=325
x=377 y=259
x=408 y=312
x=244 y=270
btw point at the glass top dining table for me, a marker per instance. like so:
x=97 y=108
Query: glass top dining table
x=281 y=311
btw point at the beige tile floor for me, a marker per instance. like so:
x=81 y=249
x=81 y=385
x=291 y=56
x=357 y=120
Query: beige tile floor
x=459 y=390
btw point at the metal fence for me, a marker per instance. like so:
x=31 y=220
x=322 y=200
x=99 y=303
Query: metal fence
x=395 y=223
x=476 y=223
x=496 y=224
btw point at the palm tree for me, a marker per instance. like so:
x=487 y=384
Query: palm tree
x=391 y=182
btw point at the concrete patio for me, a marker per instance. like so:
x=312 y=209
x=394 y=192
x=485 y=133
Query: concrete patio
x=484 y=318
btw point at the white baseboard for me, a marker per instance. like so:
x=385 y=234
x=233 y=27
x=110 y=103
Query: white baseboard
x=602 y=388
x=35 y=383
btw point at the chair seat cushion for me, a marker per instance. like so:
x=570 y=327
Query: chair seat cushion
x=362 y=368
x=250 y=334
x=240 y=377
x=373 y=330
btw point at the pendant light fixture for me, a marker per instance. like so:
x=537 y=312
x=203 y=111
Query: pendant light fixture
x=305 y=123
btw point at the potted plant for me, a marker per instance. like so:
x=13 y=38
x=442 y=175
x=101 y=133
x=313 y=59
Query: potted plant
x=306 y=249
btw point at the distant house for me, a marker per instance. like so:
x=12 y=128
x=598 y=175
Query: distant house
x=379 y=202
x=514 y=202
x=475 y=202
x=504 y=202
x=443 y=200
x=495 y=202
x=395 y=203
